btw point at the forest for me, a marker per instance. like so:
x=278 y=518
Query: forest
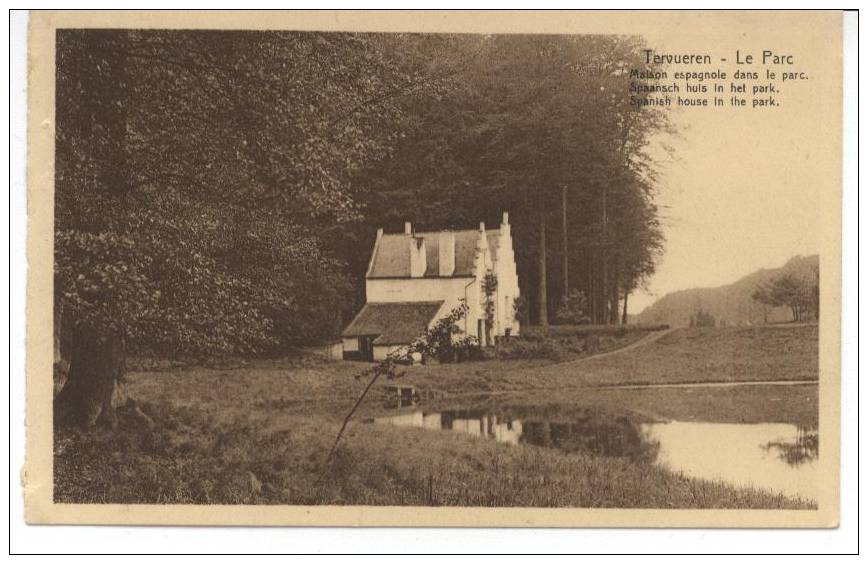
x=218 y=192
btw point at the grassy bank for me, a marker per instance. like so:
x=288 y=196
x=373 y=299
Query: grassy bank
x=714 y=354
x=262 y=458
x=797 y=405
x=687 y=355
x=259 y=432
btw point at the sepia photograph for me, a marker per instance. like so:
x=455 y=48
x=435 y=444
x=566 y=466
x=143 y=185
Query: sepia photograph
x=292 y=266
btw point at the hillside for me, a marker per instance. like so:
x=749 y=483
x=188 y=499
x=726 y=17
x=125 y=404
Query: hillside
x=731 y=303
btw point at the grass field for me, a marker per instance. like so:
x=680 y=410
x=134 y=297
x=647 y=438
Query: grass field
x=259 y=433
x=266 y=458
x=692 y=355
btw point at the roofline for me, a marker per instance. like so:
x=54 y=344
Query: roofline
x=374 y=253
x=426 y=302
x=438 y=302
x=462 y=276
x=415 y=232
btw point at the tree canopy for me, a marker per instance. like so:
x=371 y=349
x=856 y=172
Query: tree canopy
x=800 y=294
x=218 y=191
x=201 y=175
x=536 y=125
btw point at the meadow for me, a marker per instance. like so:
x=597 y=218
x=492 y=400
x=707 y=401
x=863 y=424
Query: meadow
x=258 y=432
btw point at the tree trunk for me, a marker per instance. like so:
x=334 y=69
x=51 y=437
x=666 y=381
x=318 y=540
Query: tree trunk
x=603 y=256
x=589 y=288
x=614 y=297
x=542 y=298
x=92 y=390
x=613 y=305
x=566 y=248
x=624 y=315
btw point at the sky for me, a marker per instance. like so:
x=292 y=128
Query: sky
x=743 y=189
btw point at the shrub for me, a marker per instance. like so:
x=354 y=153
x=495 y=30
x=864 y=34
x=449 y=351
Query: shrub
x=542 y=348
x=573 y=308
x=521 y=310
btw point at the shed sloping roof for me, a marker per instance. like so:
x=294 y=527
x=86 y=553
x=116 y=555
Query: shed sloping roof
x=393 y=323
x=392 y=256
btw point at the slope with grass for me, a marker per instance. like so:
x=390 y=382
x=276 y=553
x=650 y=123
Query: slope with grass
x=685 y=355
x=259 y=433
x=264 y=458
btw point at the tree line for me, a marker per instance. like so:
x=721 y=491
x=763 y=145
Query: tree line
x=540 y=126
x=218 y=192
x=801 y=295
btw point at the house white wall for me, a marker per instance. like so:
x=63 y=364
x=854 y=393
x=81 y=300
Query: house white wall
x=451 y=290
x=507 y=282
x=383 y=351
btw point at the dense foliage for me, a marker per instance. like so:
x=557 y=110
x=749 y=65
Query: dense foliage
x=573 y=308
x=201 y=178
x=540 y=126
x=218 y=191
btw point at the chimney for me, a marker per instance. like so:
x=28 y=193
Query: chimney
x=418 y=258
x=482 y=226
x=446 y=249
x=505 y=218
x=379 y=233
x=408 y=229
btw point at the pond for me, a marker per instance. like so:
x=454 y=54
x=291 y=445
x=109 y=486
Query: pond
x=781 y=458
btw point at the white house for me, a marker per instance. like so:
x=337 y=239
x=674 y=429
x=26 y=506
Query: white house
x=415 y=278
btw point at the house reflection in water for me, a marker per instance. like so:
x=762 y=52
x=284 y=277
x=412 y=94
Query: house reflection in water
x=508 y=431
x=781 y=458
x=596 y=434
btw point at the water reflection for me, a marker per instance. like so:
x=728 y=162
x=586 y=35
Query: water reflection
x=775 y=457
x=595 y=434
x=782 y=458
x=805 y=448
x=591 y=432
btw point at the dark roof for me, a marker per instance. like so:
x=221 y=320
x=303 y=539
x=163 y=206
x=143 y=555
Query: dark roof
x=392 y=254
x=393 y=323
x=391 y=257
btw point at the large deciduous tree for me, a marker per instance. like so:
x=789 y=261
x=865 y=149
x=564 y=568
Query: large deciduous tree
x=200 y=177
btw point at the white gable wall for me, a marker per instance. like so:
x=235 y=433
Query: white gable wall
x=507 y=282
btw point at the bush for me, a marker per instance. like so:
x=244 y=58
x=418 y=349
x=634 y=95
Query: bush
x=540 y=348
x=559 y=344
x=573 y=309
x=521 y=309
x=528 y=349
x=702 y=319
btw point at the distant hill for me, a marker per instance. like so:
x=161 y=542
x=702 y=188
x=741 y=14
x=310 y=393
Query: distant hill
x=731 y=303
